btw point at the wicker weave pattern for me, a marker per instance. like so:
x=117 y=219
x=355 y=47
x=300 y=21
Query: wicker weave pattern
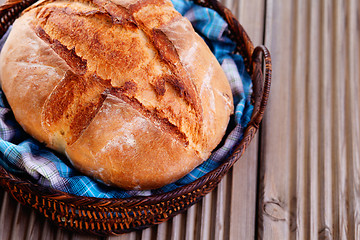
x=114 y=216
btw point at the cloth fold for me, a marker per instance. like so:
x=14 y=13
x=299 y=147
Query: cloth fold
x=22 y=155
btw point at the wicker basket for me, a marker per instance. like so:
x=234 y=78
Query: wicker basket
x=114 y=216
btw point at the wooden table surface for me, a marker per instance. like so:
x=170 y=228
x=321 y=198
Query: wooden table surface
x=300 y=177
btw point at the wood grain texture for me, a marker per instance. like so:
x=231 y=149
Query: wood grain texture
x=274 y=215
x=308 y=146
x=243 y=181
x=310 y=143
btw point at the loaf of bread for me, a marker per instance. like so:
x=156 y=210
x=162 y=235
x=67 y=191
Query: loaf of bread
x=124 y=88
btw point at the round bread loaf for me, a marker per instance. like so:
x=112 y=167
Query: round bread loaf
x=124 y=88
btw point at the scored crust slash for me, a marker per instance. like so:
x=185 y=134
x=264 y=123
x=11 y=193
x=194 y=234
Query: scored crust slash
x=125 y=89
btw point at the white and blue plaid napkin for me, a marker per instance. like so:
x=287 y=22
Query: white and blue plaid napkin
x=22 y=155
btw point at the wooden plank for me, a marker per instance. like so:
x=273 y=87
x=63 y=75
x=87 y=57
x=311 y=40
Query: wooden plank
x=251 y=16
x=177 y=228
x=147 y=234
x=4 y=217
x=30 y=225
x=274 y=212
x=242 y=186
x=14 y=231
x=190 y=223
x=243 y=195
x=352 y=119
x=298 y=223
x=20 y=221
x=126 y=236
x=162 y=231
x=7 y=216
x=339 y=121
x=326 y=227
x=219 y=209
x=35 y=227
x=61 y=235
x=205 y=229
x=48 y=231
x=312 y=123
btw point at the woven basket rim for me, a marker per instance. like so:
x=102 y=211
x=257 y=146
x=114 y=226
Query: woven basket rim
x=260 y=96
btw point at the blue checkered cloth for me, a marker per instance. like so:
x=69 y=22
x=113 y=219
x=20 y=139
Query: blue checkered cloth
x=24 y=156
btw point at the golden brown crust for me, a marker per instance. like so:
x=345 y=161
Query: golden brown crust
x=26 y=96
x=127 y=136
x=162 y=123
x=180 y=79
x=134 y=97
x=75 y=62
x=72 y=105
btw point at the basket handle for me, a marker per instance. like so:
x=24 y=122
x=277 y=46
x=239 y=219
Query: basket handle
x=8 y=4
x=263 y=88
